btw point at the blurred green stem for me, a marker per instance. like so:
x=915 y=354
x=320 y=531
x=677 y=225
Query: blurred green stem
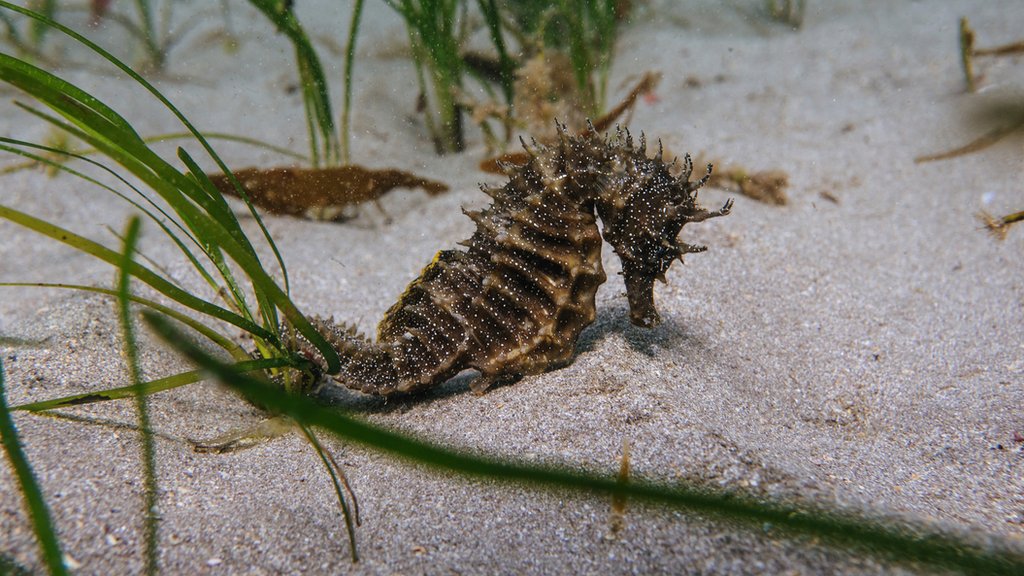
x=435 y=46
x=508 y=75
x=37 y=30
x=131 y=237
x=149 y=34
x=40 y=514
x=350 y=52
x=591 y=42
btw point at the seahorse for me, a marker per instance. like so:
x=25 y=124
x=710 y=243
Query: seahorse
x=514 y=301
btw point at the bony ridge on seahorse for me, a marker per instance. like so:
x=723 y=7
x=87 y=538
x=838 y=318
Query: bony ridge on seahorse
x=514 y=302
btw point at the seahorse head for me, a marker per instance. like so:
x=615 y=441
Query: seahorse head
x=642 y=209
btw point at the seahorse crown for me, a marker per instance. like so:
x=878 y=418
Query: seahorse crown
x=641 y=205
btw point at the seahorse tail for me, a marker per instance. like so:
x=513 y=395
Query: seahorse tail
x=366 y=366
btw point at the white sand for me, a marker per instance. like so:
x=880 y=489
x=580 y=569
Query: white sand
x=863 y=354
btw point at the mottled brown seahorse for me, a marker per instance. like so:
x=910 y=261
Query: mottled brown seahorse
x=515 y=300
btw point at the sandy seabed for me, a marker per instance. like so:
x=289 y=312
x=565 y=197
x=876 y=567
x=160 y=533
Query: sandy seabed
x=859 y=348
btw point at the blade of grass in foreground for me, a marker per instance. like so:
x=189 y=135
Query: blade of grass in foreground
x=146 y=275
x=60 y=166
x=341 y=487
x=838 y=529
x=236 y=351
x=42 y=18
x=131 y=237
x=41 y=522
x=161 y=138
x=207 y=215
x=148 y=388
x=209 y=218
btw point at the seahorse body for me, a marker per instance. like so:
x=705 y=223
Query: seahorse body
x=515 y=301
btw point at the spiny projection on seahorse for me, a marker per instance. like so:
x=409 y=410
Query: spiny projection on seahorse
x=515 y=300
